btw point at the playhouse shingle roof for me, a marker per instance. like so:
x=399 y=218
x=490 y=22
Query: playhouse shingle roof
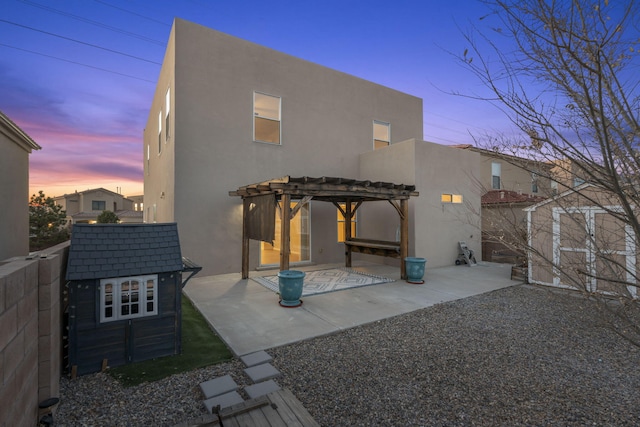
x=101 y=251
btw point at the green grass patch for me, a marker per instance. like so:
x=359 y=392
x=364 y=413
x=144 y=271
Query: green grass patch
x=200 y=347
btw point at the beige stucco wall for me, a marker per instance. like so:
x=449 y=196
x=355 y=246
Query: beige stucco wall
x=327 y=122
x=14 y=189
x=435 y=227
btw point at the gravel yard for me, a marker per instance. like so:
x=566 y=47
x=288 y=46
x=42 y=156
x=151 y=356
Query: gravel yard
x=519 y=356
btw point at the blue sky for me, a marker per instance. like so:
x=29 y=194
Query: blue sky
x=78 y=75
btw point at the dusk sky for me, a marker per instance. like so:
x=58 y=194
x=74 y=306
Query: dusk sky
x=78 y=76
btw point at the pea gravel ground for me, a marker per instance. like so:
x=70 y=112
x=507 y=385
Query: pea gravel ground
x=519 y=356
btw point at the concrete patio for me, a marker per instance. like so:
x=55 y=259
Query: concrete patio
x=248 y=318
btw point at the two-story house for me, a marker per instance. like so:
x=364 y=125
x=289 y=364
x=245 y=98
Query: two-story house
x=86 y=206
x=228 y=113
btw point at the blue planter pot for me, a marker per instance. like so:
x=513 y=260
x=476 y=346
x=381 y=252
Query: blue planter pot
x=415 y=269
x=290 y=285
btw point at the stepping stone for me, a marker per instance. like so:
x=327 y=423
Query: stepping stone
x=262 y=372
x=224 y=400
x=260 y=389
x=257 y=358
x=218 y=386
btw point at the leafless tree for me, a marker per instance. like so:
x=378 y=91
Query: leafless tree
x=566 y=73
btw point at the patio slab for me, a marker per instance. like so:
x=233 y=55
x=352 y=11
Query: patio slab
x=248 y=318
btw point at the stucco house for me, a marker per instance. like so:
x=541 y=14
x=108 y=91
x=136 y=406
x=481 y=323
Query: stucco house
x=228 y=113
x=85 y=206
x=578 y=242
x=15 y=147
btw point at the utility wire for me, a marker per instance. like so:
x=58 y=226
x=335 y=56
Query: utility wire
x=77 y=63
x=132 y=13
x=80 y=42
x=96 y=23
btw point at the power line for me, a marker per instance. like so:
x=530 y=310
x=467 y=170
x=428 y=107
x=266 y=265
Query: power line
x=80 y=42
x=132 y=13
x=77 y=63
x=98 y=24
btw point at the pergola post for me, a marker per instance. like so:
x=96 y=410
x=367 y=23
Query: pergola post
x=404 y=236
x=245 y=238
x=285 y=231
x=347 y=232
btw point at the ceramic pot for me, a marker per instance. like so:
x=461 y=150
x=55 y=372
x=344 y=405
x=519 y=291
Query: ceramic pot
x=415 y=269
x=290 y=285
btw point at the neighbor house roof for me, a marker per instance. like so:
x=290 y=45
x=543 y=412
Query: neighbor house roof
x=498 y=197
x=101 y=251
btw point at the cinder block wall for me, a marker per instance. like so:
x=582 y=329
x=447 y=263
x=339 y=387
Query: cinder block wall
x=30 y=335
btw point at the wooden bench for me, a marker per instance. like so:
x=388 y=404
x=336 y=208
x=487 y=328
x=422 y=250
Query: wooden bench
x=373 y=247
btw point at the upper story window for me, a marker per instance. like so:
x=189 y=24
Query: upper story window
x=495 y=175
x=128 y=297
x=160 y=132
x=266 y=118
x=534 y=182
x=341 y=221
x=381 y=134
x=167 y=109
x=98 y=205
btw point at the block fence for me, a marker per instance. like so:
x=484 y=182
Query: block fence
x=30 y=333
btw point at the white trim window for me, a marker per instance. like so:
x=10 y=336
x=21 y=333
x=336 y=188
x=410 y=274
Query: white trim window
x=381 y=134
x=128 y=297
x=266 y=118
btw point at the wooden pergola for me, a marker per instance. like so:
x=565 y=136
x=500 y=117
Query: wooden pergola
x=259 y=201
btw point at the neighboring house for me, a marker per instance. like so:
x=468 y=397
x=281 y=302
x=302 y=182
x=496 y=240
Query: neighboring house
x=228 y=113
x=504 y=225
x=124 y=290
x=506 y=172
x=508 y=185
x=578 y=244
x=86 y=206
x=15 y=147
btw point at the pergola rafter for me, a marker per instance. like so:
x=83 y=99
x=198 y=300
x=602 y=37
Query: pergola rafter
x=335 y=191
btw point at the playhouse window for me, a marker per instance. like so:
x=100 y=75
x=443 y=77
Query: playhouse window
x=128 y=297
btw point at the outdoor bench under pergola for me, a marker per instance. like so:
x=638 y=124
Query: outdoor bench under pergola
x=260 y=204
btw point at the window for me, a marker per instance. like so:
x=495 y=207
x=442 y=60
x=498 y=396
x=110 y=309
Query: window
x=534 y=182
x=578 y=181
x=381 y=134
x=148 y=155
x=98 y=205
x=266 y=118
x=554 y=187
x=167 y=109
x=128 y=297
x=451 y=198
x=341 y=222
x=160 y=132
x=495 y=175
